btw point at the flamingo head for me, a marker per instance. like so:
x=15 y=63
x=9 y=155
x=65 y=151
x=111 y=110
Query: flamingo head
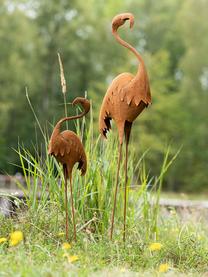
x=85 y=103
x=120 y=19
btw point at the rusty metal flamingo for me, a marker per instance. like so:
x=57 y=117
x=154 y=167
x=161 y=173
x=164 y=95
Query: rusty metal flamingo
x=67 y=148
x=125 y=99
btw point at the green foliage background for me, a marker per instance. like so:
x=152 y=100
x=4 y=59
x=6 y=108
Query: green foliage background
x=171 y=36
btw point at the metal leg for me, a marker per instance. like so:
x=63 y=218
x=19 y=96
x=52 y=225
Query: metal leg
x=72 y=209
x=125 y=193
x=116 y=189
x=127 y=131
x=66 y=202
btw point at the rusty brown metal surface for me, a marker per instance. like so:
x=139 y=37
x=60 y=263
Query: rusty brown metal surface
x=125 y=99
x=68 y=150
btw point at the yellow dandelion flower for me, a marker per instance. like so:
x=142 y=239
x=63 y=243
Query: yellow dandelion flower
x=173 y=212
x=15 y=238
x=163 y=268
x=65 y=255
x=61 y=234
x=199 y=237
x=66 y=246
x=155 y=246
x=2 y=240
x=175 y=230
x=73 y=258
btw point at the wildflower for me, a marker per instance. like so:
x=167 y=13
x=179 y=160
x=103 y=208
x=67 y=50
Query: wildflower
x=173 y=212
x=61 y=234
x=15 y=238
x=175 y=230
x=66 y=246
x=199 y=237
x=163 y=268
x=2 y=240
x=73 y=258
x=156 y=246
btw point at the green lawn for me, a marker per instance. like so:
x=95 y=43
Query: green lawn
x=184 y=247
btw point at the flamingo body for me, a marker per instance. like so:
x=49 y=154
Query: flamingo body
x=123 y=102
x=125 y=99
x=68 y=149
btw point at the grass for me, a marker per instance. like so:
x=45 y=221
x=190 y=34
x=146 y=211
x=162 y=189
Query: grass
x=184 y=247
x=184 y=244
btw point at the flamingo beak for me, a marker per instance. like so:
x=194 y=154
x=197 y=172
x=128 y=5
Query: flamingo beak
x=131 y=19
x=76 y=101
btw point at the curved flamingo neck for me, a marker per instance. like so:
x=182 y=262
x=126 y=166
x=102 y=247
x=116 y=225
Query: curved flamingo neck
x=128 y=46
x=68 y=119
x=57 y=128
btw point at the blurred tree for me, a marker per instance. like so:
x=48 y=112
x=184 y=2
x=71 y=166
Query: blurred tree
x=18 y=60
x=191 y=168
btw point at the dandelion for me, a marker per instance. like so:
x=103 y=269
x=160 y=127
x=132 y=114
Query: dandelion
x=2 y=240
x=199 y=237
x=73 y=258
x=15 y=238
x=65 y=255
x=175 y=231
x=173 y=212
x=163 y=268
x=156 y=246
x=66 y=246
x=61 y=234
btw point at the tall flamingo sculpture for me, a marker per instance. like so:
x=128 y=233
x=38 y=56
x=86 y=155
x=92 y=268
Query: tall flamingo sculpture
x=125 y=99
x=67 y=148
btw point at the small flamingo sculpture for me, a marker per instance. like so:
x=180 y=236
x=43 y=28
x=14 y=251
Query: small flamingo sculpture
x=125 y=99
x=67 y=148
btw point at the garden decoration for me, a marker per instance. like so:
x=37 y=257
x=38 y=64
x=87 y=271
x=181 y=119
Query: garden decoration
x=125 y=99
x=67 y=148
